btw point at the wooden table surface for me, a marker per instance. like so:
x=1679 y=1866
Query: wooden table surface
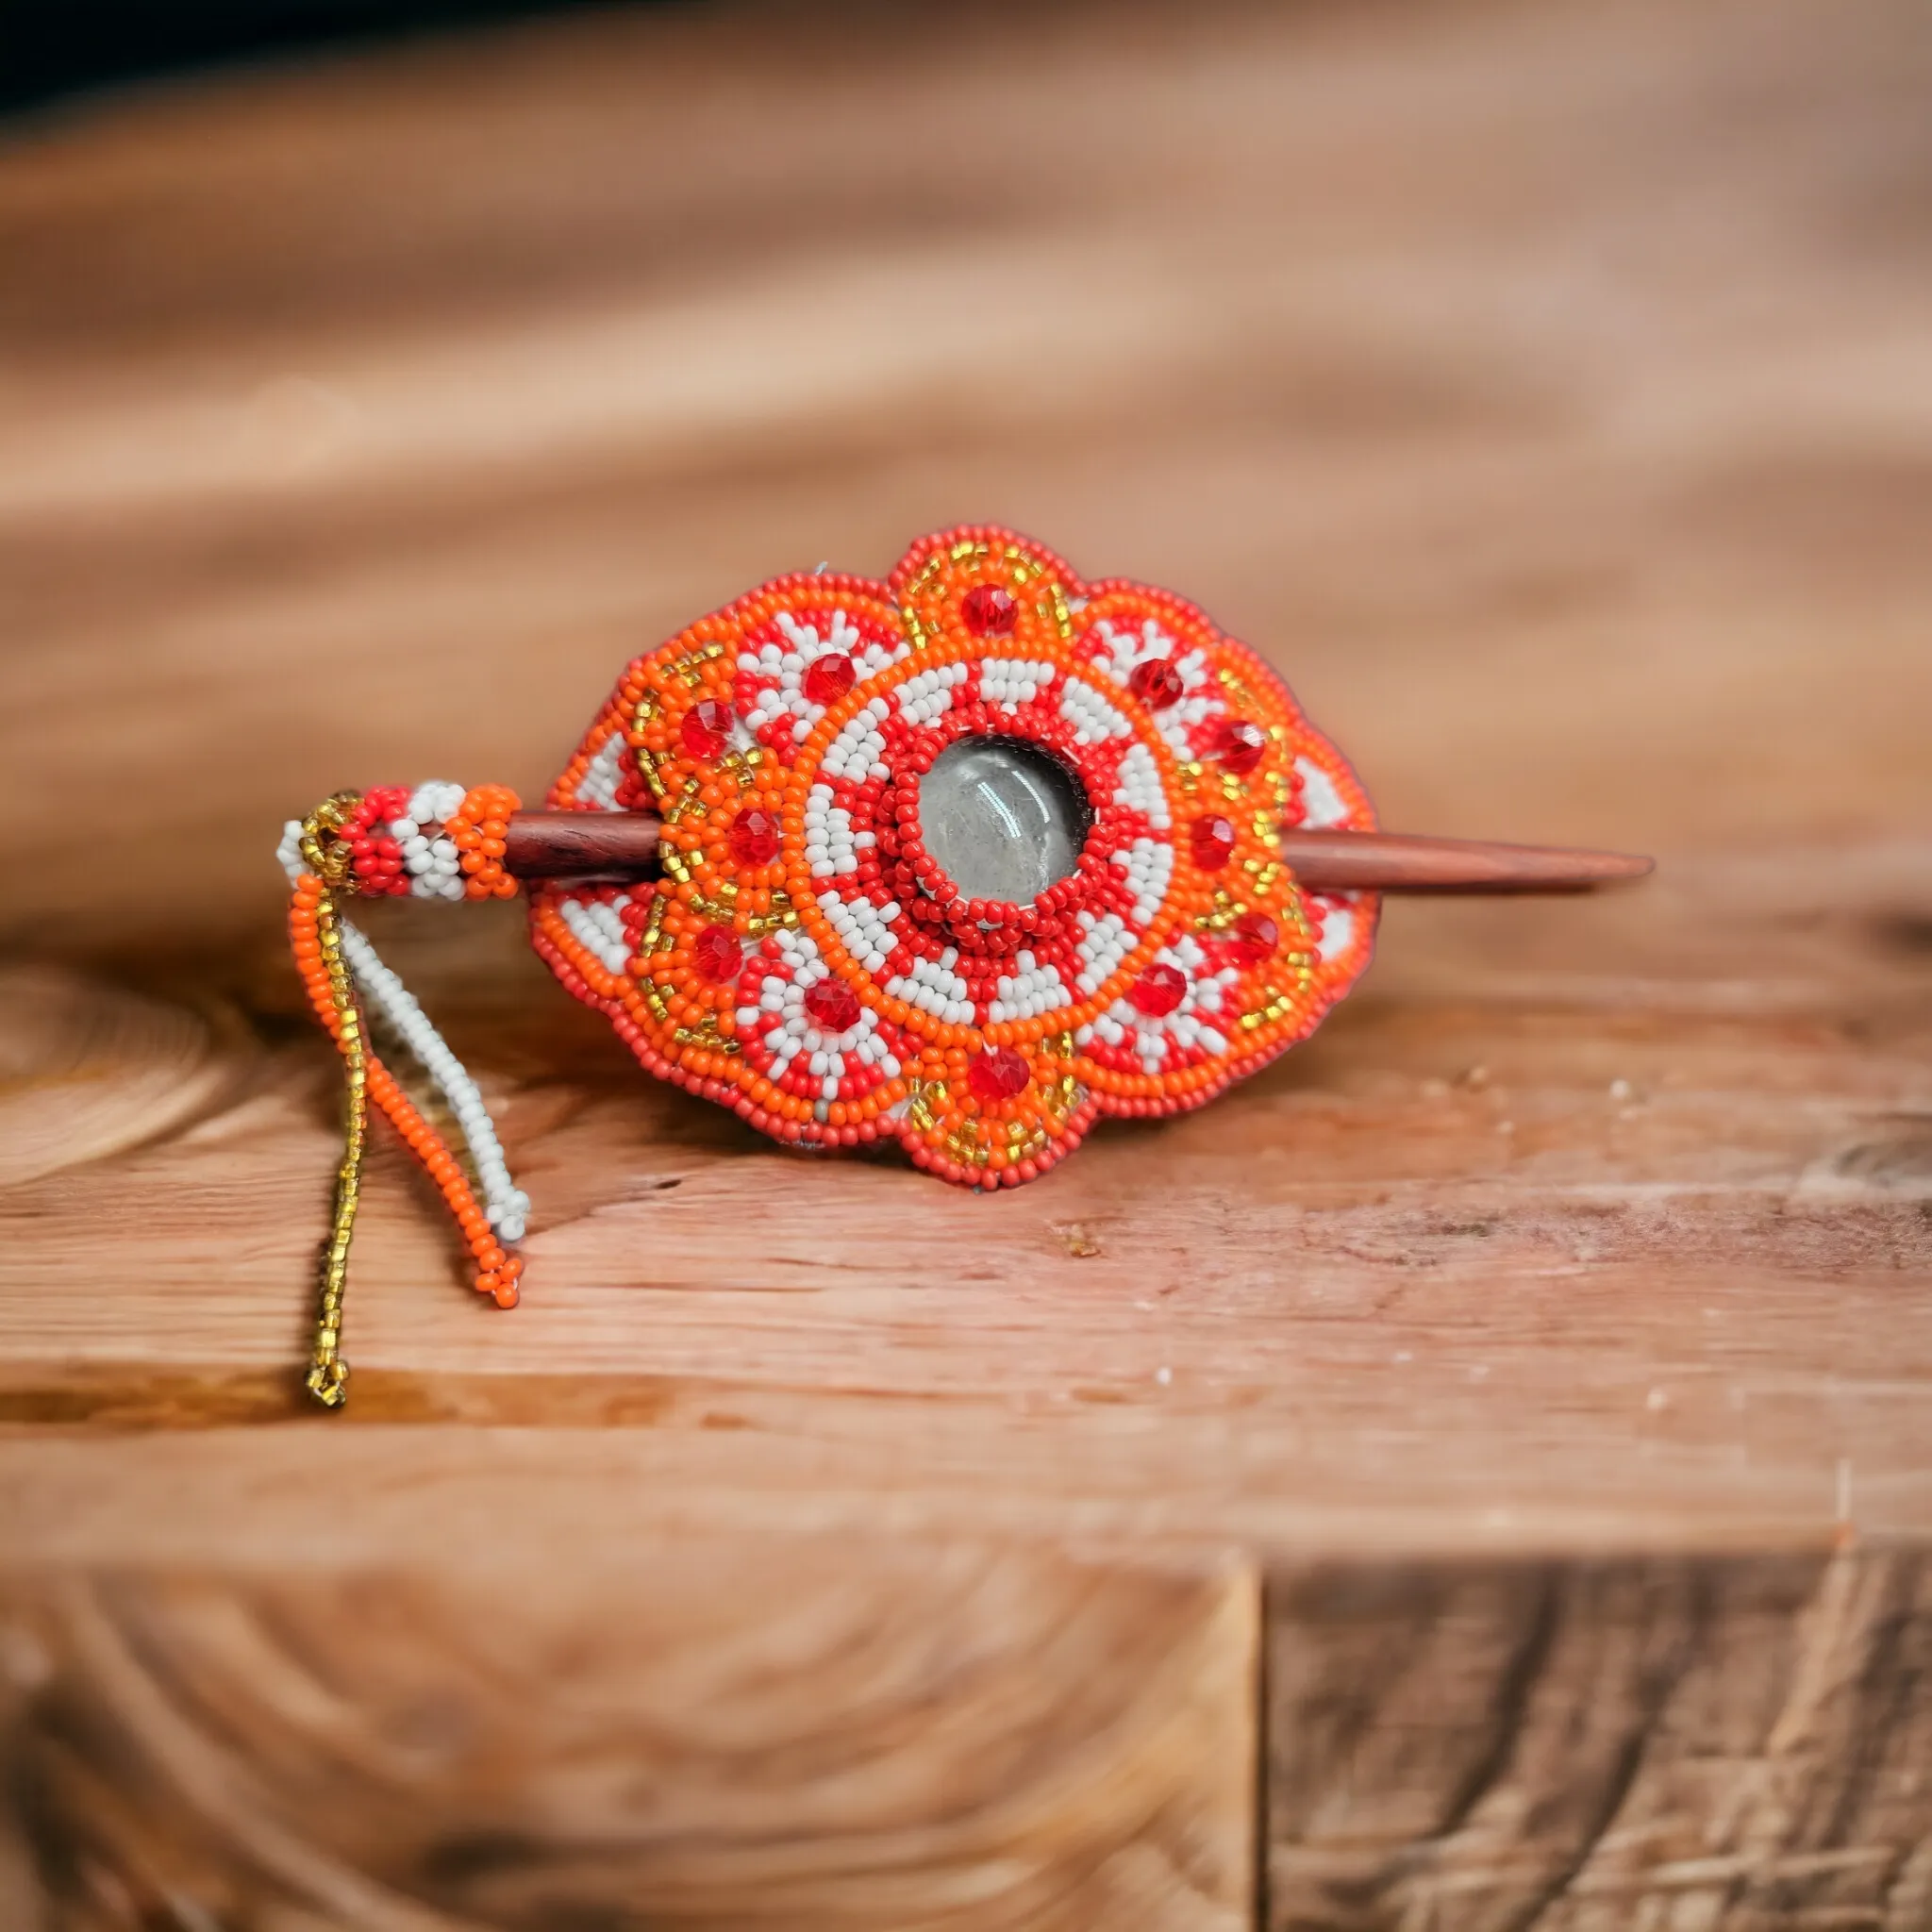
x=1474 y=1474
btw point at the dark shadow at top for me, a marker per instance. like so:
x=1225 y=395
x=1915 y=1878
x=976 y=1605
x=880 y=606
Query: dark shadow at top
x=51 y=50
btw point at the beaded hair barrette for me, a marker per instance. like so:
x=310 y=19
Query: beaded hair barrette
x=964 y=859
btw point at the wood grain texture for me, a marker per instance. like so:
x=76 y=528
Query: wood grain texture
x=1654 y=1744
x=89 y=1071
x=750 y=1734
x=1571 y=1259
x=1537 y=387
x=1544 y=389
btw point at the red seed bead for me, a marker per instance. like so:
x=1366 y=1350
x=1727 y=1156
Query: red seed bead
x=1254 y=937
x=998 y=1074
x=717 y=954
x=1239 y=745
x=1159 y=990
x=1156 y=684
x=989 y=610
x=755 y=837
x=1211 y=839
x=831 y=1006
x=828 y=679
x=705 y=729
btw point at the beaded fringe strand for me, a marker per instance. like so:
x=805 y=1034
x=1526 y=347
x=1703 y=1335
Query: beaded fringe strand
x=327 y=857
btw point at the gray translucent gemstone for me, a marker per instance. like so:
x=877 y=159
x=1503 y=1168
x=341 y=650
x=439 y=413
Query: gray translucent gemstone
x=1003 y=818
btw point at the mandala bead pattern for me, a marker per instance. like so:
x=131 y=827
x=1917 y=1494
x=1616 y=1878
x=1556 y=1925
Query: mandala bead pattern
x=783 y=740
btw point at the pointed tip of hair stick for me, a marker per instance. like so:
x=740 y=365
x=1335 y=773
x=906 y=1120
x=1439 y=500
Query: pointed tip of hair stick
x=1404 y=862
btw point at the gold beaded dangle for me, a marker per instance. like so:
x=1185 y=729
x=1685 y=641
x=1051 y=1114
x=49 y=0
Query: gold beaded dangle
x=328 y=1371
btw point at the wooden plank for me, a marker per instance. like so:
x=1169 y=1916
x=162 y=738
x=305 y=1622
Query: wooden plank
x=1602 y=1260
x=1655 y=1742
x=725 y=1732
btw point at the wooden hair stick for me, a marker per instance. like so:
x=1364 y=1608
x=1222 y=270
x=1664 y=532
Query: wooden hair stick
x=624 y=845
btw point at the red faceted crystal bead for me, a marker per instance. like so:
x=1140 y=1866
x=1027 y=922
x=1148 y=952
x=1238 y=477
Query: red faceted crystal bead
x=1239 y=745
x=1159 y=990
x=989 y=610
x=831 y=1005
x=754 y=837
x=828 y=679
x=706 y=728
x=1212 y=840
x=998 y=1074
x=1254 y=937
x=717 y=954
x=1156 y=684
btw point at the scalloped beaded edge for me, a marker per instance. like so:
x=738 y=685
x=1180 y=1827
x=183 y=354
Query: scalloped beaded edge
x=781 y=738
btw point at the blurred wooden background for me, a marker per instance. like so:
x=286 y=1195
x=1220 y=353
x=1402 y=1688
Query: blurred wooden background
x=1473 y=1475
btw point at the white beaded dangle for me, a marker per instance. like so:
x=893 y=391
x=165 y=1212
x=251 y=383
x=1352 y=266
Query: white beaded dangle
x=431 y=858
